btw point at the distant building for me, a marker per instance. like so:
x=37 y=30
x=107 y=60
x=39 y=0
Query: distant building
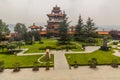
x=53 y=23
x=34 y=27
x=115 y=34
x=103 y=32
x=55 y=18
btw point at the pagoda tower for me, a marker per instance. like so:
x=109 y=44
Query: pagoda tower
x=55 y=18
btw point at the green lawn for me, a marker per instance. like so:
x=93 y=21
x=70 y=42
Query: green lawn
x=98 y=43
x=36 y=47
x=103 y=57
x=25 y=61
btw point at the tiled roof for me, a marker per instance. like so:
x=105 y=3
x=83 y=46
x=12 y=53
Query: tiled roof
x=43 y=32
x=103 y=32
x=55 y=15
x=71 y=32
x=61 y=15
x=34 y=27
x=51 y=15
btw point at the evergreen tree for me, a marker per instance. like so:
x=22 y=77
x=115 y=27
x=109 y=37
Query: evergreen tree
x=4 y=30
x=79 y=30
x=21 y=30
x=27 y=36
x=89 y=27
x=63 y=33
x=36 y=35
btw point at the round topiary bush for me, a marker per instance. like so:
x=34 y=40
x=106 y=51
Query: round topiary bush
x=115 y=43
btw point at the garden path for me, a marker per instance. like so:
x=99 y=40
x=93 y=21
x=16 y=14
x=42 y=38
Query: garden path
x=81 y=73
x=60 y=62
x=88 y=49
x=24 y=50
x=116 y=53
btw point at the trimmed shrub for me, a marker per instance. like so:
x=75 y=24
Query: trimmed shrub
x=49 y=47
x=40 y=42
x=11 y=46
x=75 y=64
x=104 y=48
x=58 y=48
x=114 y=63
x=115 y=43
x=29 y=42
x=16 y=67
x=90 y=40
x=93 y=63
x=1 y=66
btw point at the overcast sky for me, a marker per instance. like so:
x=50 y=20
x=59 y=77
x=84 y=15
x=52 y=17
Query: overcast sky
x=103 y=12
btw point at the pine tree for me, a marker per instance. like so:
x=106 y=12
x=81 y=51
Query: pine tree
x=21 y=30
x=79 y=30
x=89 y=27
x=4 y=30
x=63 y=33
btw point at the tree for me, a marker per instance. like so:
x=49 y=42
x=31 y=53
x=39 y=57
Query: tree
x=16 y=66
x=3 y=46
x=21 y=30
x=4 y=30
x=79 y=29
x=36 y=35
x=114 y=63
x=63 y=33
x=89 y=27
x=28 y=38
x=19 y=44
x=11 y=47
x=35 y=67
x=93 y=62
x=75 y=64
x=1 y=66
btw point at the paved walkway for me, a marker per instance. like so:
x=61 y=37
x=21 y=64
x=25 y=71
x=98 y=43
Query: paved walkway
x=82 y=73
x=116 y=53
x=60 y=62
x=24 y=50
x=88 y=49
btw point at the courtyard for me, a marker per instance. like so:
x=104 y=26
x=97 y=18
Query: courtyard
x=81 y=73
x=61 y=59
x=49 y=40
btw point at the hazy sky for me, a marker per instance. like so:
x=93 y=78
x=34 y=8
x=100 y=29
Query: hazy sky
x=103 y=12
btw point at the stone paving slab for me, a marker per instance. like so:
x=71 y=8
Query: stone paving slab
x=116 y=53
x=60 y=62
x=30 y=54
x=81 y=73
x=88 y=49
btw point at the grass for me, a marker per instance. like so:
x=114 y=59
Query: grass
x=103 y=57
x=35 y=48
x=25 y=61
x=98 y=43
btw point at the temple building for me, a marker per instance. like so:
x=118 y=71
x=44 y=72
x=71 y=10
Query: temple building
x=34 y=27
x=53 y=23
x=55 y=18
